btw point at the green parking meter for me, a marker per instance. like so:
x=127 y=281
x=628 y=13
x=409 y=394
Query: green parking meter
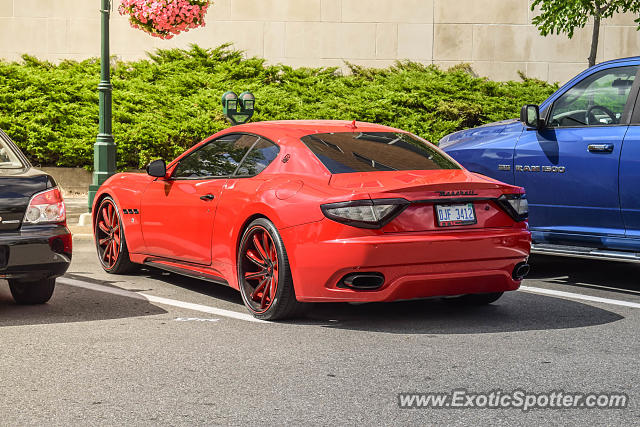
x=238 y=110
x=229 y=104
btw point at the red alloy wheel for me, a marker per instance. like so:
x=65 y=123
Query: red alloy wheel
x=108 y=234
x=259 y=269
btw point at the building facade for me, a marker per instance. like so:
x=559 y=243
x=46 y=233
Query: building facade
x=494 y=36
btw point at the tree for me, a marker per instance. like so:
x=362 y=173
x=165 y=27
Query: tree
x=564 y=16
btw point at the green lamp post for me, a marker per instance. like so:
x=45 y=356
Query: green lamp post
x=104 y=150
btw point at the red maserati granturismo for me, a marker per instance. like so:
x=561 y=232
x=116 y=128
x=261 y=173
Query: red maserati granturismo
x=291 y=212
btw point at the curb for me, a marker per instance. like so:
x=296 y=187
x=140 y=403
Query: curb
x=82 y=237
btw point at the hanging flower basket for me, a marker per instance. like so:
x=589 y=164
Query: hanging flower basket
x=165 y=18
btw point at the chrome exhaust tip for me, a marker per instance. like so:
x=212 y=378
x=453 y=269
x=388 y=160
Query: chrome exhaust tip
x=362 y=281
x=520 y=271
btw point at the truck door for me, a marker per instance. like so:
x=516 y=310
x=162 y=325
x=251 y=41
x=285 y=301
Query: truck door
x=630 y=178
x=570 y=167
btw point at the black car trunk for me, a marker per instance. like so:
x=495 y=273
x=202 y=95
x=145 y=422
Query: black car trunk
x=16 y=188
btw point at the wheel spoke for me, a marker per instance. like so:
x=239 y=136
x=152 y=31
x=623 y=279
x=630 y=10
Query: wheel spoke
x=116 y=239
x=255 y=275
x=105 y=217
x=103 y=227
x=105 y=254
x=114 y=218
x=270 y=252
x=263 y=300
x=260 y=287
x=114 y=255
x=267 y=247
x=103 y=241
x=254 y=258
x=257 y=245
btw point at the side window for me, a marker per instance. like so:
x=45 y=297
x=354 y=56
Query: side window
x=597 y=100
x=217 y=158
x=235 y=154
x=262 y=153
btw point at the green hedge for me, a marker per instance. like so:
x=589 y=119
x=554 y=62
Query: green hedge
x=165 y=104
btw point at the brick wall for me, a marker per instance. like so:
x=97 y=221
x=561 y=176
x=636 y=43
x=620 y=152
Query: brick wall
x=495 y=36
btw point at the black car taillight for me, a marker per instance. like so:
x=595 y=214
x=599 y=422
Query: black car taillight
x=516 y=205
x=46 y=207
x=365 y=213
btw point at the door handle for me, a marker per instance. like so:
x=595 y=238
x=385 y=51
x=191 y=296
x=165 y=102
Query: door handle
x=600 y=148
x=207 y=197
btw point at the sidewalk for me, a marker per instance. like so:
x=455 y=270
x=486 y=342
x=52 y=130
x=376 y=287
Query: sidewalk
x=76 y=206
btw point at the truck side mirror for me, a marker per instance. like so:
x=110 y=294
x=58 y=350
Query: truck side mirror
x=157 y=168
x=530 y=116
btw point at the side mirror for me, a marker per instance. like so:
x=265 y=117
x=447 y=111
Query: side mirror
x=157 y=168
x=530 y=116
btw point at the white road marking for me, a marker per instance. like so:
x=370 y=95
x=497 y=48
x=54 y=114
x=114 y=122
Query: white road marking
x=159 y=300
x=248 y=318
x=570 y=295
x=194 y=319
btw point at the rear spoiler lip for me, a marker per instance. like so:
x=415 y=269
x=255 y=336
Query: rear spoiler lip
x=453 y=200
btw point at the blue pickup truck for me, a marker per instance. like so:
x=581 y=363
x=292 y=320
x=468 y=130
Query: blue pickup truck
x=578 y=157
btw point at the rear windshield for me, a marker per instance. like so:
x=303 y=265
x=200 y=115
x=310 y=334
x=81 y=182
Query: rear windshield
x=346 y=152
x=9 y=159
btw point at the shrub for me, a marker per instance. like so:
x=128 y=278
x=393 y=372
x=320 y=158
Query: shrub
x=167 y=103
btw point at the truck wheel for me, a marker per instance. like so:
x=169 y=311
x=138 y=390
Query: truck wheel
x=27 y=293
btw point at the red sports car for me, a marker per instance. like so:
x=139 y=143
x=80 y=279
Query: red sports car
x=291 y=212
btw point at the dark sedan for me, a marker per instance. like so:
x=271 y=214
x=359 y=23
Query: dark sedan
x=35 y=243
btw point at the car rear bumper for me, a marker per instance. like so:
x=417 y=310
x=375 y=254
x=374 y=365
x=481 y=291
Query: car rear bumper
x=414 y=265
x=36 y=252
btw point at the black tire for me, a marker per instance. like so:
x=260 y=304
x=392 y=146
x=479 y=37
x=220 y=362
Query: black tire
x=32 y=292
x=272 y=268
x=113 y=253
x=476 y=299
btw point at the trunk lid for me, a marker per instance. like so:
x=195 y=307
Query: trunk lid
x=430 y=194
x=419 y=185
x=16 y=188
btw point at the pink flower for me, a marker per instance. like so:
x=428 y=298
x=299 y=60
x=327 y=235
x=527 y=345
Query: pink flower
x=165 y=18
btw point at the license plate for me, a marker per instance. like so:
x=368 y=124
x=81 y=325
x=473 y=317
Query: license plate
x=452 y=215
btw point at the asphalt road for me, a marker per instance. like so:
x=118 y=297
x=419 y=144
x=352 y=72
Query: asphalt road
x=115 y=350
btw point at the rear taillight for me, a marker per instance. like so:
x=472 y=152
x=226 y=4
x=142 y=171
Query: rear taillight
x=46 y=207
x=516 y=205
x=365 y=213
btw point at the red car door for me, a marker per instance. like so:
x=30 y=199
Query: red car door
x=177 y=218
x=178 y=212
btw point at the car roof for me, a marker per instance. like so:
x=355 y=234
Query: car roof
x=613 y=61
x=299 y=128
